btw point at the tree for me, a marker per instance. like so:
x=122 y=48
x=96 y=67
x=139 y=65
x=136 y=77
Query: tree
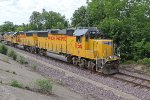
x=53 y=20
x=80 y=17
x=47 y=20
x=35 y=21
x=7 y=27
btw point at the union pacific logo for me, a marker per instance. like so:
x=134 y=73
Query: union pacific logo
x=108 y=43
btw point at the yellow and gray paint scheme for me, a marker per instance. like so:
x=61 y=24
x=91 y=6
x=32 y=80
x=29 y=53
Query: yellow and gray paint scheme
x=82 y=46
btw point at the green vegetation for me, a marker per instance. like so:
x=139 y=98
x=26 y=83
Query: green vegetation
x=145 y=61
x=7 y=71
x=14 y=73
x=21 y=59
x=34 y=67
x=12 y=54
x=38 y=21
x=1 y=81
x=7 y=27
x=44 y=86
x=80 y=17
x=51 y=19
x=15 y=83
x=3 y=49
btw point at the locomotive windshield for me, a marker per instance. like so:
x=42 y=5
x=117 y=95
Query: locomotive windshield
x=94 y=34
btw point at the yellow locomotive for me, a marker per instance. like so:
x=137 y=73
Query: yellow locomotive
x=8 y=37
x=83 y=47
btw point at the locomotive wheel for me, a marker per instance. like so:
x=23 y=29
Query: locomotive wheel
x=82 y=63
x=44 y=52
x=75 y=60
x=69 y=59
x=32 y=49
x=91 y=65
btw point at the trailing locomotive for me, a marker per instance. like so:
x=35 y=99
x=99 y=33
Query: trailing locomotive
x=82 y=47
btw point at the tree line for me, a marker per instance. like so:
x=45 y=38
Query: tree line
x=127 y=22
x=38 y=21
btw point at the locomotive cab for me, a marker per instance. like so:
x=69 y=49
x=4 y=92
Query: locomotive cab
x=98 y=52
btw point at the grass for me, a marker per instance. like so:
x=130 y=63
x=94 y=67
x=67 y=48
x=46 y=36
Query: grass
x=3 y=49
x=1 y=82
x=44 y=86
x=129 y=62
x=34 y=67
x=5 y=60
x=14 y=73
x=145 y=61
x=12 y=54
x=15 y=83
x=21 y=59
x=7 y=71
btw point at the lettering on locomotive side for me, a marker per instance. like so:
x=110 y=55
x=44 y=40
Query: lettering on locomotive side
x=51 y=37
x=22 y=36
x=78 y=45
x=60 y=38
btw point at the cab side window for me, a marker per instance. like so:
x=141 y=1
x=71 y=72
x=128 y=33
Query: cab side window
x=78 y=38
x=92 y=34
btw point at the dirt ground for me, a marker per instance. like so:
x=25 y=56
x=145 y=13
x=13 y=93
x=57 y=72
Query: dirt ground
x=10 y=70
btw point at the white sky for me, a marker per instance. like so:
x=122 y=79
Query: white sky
x=19 y=11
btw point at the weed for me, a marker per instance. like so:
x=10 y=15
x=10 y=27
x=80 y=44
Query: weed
x=145 y=61
x=21 y=59
x=7 y=71
x=15 y=83
x=3 y=49
x=14 y=73
x=44 y=86
x=34 y=67
x=1 y=82
x=12 y=54
x=129 y=62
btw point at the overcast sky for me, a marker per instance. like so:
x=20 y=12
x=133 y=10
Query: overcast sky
x=19 y=11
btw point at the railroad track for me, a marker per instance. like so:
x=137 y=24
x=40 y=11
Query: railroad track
x=134 y=80
x=135 y=72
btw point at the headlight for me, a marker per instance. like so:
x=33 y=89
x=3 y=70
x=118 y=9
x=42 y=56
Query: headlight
x=110 y=57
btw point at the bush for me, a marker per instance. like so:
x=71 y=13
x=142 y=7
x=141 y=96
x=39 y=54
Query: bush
x=129 y=62
x=3 y=49
x=15 y=83
x=44 y=86
x=12 y=54
x=145 y=61
x=21 y=59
